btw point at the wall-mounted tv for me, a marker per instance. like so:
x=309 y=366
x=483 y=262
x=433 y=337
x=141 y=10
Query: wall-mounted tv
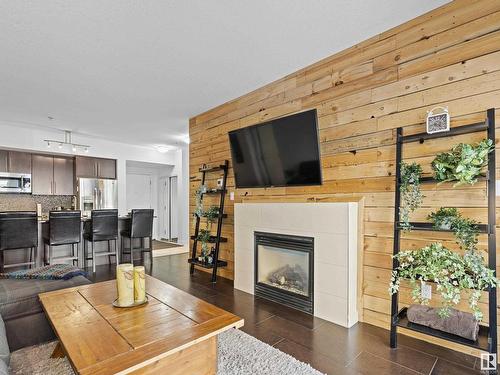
x=281 y=152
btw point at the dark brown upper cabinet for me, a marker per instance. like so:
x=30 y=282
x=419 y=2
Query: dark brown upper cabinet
x=4 y=161
x=52 y=175
x=106 y=168
x=15 y=162
x=19 y=162
x=64 y=176
x=42 y=178
x=95 y=167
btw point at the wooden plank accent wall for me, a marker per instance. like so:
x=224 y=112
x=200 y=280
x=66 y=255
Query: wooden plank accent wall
x=449 y=56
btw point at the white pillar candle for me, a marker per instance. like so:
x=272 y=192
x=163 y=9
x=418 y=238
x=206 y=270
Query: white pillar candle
x=139 y=284
x=125 y=284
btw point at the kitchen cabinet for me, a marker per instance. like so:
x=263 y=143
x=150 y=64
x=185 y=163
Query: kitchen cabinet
x=95 y=167
x=85 y=167
x=19 y=162
x=106 y=168
x=4 y=161
x=52 y=175
x=42 y=176
x=63 y=176
x=15 y=162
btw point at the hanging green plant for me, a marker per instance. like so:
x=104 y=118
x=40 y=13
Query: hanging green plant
x=411 y=196
x=451 y=272
x=466 y=230
x=199 y=200
x=464 y=163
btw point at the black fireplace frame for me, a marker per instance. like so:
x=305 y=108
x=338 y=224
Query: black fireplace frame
x=285 y=297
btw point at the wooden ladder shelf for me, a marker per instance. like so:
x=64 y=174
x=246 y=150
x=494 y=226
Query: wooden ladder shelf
x=217 y=238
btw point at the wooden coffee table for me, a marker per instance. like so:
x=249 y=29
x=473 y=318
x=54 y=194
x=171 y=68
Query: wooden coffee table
x=174 y=333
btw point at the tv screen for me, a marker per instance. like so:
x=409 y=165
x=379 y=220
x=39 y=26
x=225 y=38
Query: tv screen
x=281 y=152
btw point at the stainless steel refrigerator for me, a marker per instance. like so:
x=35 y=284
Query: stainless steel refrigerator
x=96 y=194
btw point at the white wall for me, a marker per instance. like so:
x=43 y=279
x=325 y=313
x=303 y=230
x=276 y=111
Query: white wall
x=30 y=138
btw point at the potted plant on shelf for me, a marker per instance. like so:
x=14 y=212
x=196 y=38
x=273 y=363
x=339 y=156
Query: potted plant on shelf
x=464 y=163
x=452 y=273
x=211 y=214
x=443 y=218
x=411 y=196
x=204 y=238
x=466 y=230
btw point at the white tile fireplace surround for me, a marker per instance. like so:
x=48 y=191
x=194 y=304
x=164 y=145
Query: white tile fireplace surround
x=334 y=227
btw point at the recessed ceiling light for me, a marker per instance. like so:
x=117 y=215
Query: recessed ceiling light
x=162 y=148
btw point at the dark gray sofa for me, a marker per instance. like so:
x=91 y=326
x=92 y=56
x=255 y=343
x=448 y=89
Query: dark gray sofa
x=22 y=313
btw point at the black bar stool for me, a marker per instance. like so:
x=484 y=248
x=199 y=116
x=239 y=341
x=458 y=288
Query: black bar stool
x=141 y=226
x=102 y=227
x=65 y=228
x=18 y=230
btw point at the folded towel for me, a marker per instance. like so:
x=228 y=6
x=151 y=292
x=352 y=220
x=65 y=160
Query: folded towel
x=50 y=272
x=459 y=323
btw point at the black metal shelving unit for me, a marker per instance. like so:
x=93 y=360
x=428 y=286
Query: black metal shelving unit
x=217 y=238
x=487 y=340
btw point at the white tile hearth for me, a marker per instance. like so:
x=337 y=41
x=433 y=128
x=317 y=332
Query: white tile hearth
x=334 y=227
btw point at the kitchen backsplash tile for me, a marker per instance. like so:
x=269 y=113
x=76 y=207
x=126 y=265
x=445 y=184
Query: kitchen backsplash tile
x=27 y=202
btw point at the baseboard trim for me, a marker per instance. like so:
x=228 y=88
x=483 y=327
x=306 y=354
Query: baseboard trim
x=170 y=251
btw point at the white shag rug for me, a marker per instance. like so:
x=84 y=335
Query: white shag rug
x=238 y=354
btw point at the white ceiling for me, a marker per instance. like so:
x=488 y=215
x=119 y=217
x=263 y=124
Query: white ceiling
x=135 y=71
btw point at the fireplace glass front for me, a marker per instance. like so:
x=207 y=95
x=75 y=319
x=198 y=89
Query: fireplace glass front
x=284 y=269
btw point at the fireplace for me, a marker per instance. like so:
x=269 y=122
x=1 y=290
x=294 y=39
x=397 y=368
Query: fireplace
x=284 y=269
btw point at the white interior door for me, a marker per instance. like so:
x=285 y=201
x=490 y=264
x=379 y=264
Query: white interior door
x=164 y=207
x=174 y=209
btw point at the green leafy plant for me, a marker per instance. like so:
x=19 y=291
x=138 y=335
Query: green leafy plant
x=204 y=238
x=464 y=163
x=211 y=213
x=452 y=273
x=466 y=230
x=411 y=196
x=444 y=217
x=199 y=200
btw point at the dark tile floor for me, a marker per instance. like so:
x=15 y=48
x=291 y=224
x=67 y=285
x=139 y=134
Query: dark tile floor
x=332 y=349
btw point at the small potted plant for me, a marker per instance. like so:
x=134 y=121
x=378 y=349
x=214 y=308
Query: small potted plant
x=204 y=238
x=211 y=214
x=443 y=218
x=466 y=230
x=464 y=163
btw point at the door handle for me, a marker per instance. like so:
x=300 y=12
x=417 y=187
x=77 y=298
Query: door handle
x=55 y=188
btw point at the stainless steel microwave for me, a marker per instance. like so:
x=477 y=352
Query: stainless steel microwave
x=15 y=183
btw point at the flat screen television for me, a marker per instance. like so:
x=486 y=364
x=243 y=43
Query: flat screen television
x=281 y=152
